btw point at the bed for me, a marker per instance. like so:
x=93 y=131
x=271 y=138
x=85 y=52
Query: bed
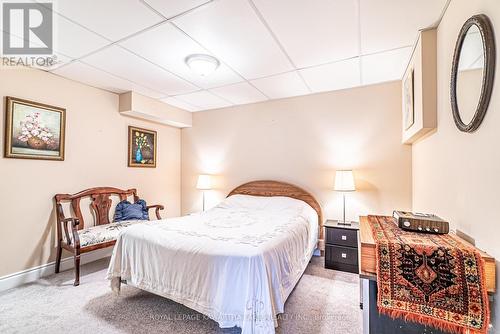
x=236 y=263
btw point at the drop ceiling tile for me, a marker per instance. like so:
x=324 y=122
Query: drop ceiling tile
x=314 y=32
x=281 y=85
x=338 y=75
x=203 y=99
x=44 y=62
x=74 y=41
x=124 y=64
x=234 y=33
x=114 y=19
x=91 y=76
x=239 y=93
x=389 y=24
x=179 y=104
x=167 y=46
x=58 y=60
x=170 y=8
x=385 y=66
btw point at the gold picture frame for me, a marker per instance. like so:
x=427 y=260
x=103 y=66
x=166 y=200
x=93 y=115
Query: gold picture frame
x=142 y=147
x=34 y=130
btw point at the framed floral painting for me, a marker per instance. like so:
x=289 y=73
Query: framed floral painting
x=34 y=130
x=141 y=147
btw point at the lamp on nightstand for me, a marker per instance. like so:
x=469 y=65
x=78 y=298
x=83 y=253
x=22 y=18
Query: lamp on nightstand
x=204 y=183
x=344 y=182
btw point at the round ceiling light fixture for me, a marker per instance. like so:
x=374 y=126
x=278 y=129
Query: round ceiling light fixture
x=202 y=64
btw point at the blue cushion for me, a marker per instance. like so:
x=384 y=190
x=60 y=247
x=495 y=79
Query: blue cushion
x=128 y=211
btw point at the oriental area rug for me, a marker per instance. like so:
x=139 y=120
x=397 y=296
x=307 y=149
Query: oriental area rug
x=431 y=279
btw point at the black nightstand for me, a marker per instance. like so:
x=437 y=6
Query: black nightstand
x=341 y=246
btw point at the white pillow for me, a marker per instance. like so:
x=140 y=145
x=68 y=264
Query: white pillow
x=263 y=202
x=285 y=205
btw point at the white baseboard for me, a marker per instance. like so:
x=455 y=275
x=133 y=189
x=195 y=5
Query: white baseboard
x=32 y=274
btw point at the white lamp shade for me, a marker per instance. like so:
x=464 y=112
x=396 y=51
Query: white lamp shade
x=344 y=180
x=204 y=182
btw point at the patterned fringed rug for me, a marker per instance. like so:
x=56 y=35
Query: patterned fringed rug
x=431 y=279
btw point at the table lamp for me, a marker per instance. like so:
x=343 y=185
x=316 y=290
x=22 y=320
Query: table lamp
x=204 y=183
x=344 y=182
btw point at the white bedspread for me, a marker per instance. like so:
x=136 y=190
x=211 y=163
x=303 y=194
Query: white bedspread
x=236 y=263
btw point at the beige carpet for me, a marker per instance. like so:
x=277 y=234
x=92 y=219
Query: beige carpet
x=324 y=301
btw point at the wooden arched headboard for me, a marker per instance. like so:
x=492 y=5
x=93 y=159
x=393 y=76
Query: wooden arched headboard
x=277 y=188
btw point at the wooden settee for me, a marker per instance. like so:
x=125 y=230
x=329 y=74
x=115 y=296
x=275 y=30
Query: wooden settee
x=78 y=237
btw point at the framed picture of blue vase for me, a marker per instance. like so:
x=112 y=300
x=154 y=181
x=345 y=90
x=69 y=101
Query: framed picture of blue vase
x=141 y=147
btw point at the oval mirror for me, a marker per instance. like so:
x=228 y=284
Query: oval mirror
x=472 y=73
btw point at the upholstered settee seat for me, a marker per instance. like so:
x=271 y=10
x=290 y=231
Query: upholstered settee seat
x=103 y=233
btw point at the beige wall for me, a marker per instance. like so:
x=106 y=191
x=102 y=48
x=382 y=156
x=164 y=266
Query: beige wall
x=303 y=140
x=96 y=155
x=456 y=175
